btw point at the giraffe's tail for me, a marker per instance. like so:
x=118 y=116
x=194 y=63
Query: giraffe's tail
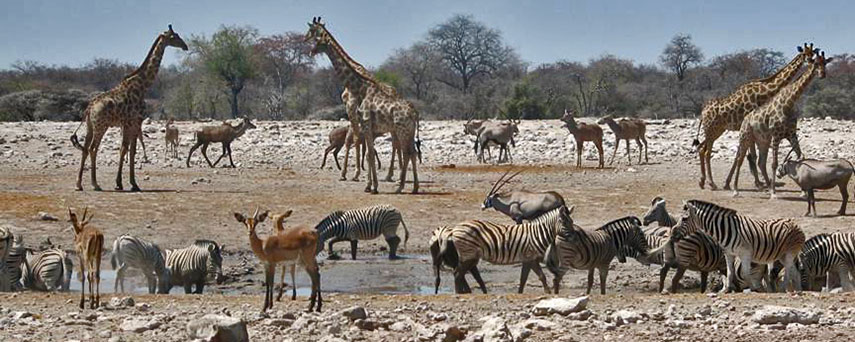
x=696 y=143
x=418 y=142
x=74 y=140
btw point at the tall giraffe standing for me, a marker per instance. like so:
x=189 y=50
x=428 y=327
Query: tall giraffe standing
x=379 y=108
x=774 y=121
x=122 y=106
x=727 y=113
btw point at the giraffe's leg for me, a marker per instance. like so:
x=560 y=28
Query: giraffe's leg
x=408 y=156
x=762 y=157
x=710 y=137
x=752 y=167
x=346 y=157
x=84 y=154
x=737 y=164
x=776 y=143
x=133 y=160
x=392 y=160
x=703 y=163
x=93 y=155
x=372 y=183
x=413 y=156
x=359 y=148
x=122 y=151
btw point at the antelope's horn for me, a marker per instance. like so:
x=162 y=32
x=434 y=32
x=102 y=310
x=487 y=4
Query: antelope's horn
x=85 y=211
x=508 y=180
x=493 y=189
x=255 y=214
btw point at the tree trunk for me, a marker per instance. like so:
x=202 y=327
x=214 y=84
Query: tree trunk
x=234 y=102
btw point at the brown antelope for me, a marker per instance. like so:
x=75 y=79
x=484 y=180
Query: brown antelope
x=520 y=205
x=583 y=132
x=295 y=245
x=277 y=225
x=343 y=137
x=89 y=243
x=225 y=134
x=627 y=129
x=171 y=139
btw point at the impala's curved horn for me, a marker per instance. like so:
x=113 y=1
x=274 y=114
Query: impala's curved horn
x=255 y=214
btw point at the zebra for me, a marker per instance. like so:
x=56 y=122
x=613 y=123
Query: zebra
x=751 y=240
x=443 y=253
x=134 y=252
x=525 y=244
x=362 y=224
x=824 y=255
x=193 y=265
x=15 y=257
x=589 y=250
x=657 y=213
x=6 y=238
x=48 y=270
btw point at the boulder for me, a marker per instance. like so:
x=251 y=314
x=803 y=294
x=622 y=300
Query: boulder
x=139 y=324
x=772 y=314
x=355 y=313
x=561 y=306
x=218 y=328
x=625 y=317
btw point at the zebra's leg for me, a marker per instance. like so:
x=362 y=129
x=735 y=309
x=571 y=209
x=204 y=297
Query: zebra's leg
x=843 y=274
x=745 y=272
x=590 y=280
x=477 y=275
x=604 y=273
x=556 y=281
x=704 y=278
x=526 y=267
x=330 y=244
x=729 y=284
x=353 y=244
x=535 y=266
x=393 y=247
x=200 y=286
x=120 y=279
x=663 y=272
x=188 y=287
x=792 y=278
x=460 y=285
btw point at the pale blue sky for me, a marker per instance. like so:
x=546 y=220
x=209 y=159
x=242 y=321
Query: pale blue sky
x=74 y=32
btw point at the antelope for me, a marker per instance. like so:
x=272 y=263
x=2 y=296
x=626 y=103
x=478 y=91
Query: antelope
x=89 y=244
x=343 y=137
x=500 y=134
x=171 y=139
x=225 y=134
x=627 y=129
x=471 y=127
x=520 y=205
x=583 y=132
x=292 y=245
x=279 y=229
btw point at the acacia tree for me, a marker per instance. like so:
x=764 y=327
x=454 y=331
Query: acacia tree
x=468 y=49
x=284 y=57
x=418 y=65
x=230 y=56
x=680 y=54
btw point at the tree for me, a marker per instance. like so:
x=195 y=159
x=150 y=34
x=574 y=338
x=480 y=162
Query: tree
x=284 y=57
x=525 y=103
x=230 y=56
x=680 y=54
x=468 y=49
x=107 y=73
x=418 y=65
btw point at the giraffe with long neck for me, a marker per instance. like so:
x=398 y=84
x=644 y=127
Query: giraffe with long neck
x=378 y=107
x=727 y=113
x=122 y=106
x=774 y=121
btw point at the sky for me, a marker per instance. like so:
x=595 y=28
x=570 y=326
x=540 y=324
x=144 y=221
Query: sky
x=72 y=33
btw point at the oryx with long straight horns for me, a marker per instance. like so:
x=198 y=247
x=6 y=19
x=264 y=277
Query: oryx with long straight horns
x=520 y=205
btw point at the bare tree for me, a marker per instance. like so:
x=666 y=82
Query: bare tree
x=680 y=54
x=418 y=65
x=283 y=58
x=468 y=49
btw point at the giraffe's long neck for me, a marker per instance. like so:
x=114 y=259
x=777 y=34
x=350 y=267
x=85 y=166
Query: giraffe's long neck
x=147 y=71
x=351 y=73
x=787 y=98
x=782 y=77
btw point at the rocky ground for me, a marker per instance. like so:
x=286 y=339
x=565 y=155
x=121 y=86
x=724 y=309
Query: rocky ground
x=278 y=169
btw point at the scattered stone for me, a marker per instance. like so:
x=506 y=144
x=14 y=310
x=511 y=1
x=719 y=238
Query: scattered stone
x=561 y=306
x=21 y=315
x=139 y=324
x=771 y=314
x=46 y=217
x=218 y=328
x=354 y=313
x=623 y=317
x=494 y=329
x=539 y=325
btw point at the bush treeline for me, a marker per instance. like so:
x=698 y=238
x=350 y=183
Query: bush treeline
x=458 y=69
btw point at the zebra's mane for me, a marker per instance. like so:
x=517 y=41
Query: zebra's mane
x=620 y=223
x=549 y=216
x=205 y=243
x=704 y=206
x=330 y=220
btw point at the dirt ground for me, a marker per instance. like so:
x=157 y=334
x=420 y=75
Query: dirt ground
x=179 y=205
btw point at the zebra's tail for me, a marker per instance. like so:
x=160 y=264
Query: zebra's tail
x=406 y=233
x=114 y=261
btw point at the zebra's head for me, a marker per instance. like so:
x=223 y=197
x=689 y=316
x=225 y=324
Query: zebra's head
x=656 y=212
x=215 y=260
x=164 y=281
x=566 y=225
x=323 y=227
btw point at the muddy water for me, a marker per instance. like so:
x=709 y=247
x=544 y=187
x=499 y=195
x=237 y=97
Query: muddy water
x=370 y=274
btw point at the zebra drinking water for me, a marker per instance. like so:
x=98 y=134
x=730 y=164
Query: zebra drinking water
x=133 y=252
x=48 y=270
x=193 y=265
x=363 y=224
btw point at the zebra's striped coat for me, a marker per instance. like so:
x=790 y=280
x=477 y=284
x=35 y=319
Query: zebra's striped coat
x=444 y=254
x=362 y=224
x=752 y=240
x=589 y=250
x=826 y=255
x=48 y=270
x=14 y=259
x=6 y=238
x=133 y=252
x=193 y=265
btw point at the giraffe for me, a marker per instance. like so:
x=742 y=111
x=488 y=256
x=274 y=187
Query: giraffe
x=122 y=107
x=774 y=121
x=379 y=108
x=726 y=113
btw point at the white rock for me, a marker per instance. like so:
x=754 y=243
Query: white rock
x=626 y=317
x=772 y=314
x=139 y=324
x=561 y=306
x=218 y=328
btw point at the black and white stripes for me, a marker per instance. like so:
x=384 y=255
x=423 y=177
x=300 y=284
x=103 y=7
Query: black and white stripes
x=363 y=224
x=133 y=252
x=193 y=265
x=48 y=270
x=827 y=255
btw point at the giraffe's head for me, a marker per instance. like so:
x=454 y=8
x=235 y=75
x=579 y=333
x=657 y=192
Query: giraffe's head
x=318 y=35
x=820 y=61
x=171 y=38
x=807 y=51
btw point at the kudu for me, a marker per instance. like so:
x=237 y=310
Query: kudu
x=520 y=205
x=627 y=129
x=225 y=134
x=583 y=132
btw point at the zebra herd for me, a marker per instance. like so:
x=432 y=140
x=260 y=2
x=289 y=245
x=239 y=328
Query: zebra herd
x=748 y=252
x=51 y=269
